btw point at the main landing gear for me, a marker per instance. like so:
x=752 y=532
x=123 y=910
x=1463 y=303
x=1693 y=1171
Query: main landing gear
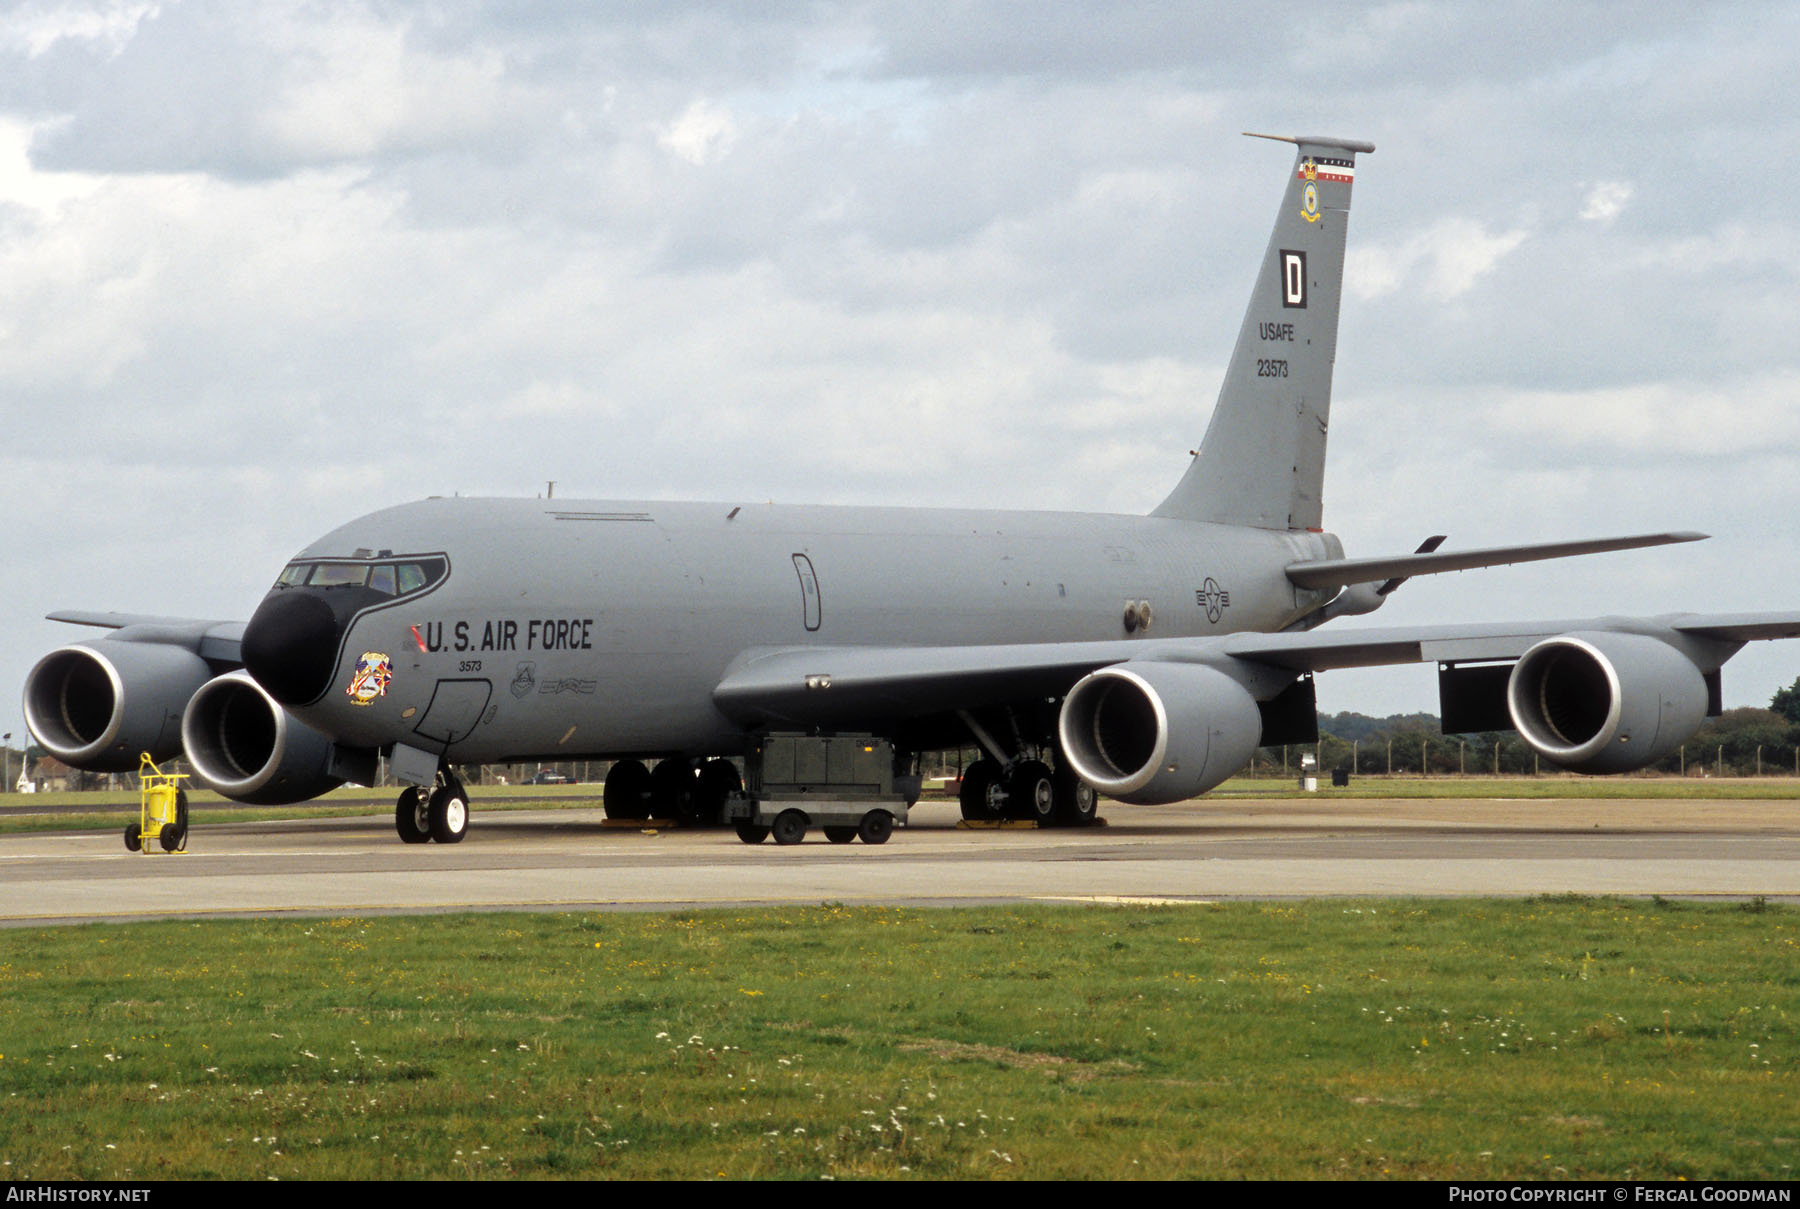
x=1032 y=790
x=1013 y=783
x=437 y=812
x=693 y=792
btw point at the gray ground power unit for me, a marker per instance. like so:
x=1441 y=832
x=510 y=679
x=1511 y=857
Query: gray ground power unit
x=843 y=784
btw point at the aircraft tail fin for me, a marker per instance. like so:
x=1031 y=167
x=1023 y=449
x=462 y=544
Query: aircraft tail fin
x=1262 y=462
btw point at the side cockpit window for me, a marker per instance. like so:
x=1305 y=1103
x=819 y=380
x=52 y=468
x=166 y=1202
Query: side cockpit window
x=422 y=574
x=382 y=579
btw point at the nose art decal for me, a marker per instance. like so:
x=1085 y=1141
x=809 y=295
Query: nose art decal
x=374 y=671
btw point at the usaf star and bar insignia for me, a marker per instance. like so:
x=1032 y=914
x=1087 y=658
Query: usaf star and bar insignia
x=1213 y=598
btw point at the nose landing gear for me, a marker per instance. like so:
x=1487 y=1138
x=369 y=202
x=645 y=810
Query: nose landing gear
x=412 y=818
x=437 y=812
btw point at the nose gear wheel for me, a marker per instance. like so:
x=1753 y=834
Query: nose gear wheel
x=437 y=813
x=411 y=817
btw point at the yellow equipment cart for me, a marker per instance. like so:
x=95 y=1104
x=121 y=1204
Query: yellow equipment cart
x=162 y=809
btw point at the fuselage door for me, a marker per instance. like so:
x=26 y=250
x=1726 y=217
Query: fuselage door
x=455 y=710
x=809 y=591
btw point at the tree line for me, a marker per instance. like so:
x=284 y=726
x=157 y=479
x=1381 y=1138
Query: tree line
x=1740 y=742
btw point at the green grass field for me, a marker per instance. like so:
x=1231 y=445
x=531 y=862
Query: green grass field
x=1566 y=1038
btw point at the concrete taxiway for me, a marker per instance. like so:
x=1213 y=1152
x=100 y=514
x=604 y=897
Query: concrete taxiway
x=571 y=859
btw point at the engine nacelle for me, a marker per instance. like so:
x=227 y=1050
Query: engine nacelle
x=98 y=705
x=1150 y=732
x=1605 y=702
x=242 y=743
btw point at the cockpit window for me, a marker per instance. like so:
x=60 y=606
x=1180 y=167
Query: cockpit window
x=390 y=579
x=338 y=575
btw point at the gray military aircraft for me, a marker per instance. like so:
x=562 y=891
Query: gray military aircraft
x=1140 y=657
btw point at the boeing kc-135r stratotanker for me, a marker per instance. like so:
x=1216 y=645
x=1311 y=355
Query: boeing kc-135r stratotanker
x=1140 y=657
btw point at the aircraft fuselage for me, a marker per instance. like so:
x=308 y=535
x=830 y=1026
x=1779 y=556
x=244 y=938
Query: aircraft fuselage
x=574 y=629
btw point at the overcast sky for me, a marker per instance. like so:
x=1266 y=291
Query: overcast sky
x=264 y=268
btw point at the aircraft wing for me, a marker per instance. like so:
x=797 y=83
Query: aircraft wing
x=114 y=621
x=807 y=686
x=1743 y=627
x=823 y=685
x=215 y=641
x=1313 y=651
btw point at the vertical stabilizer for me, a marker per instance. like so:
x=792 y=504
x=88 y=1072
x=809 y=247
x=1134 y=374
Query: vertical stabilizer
x=1263 y=460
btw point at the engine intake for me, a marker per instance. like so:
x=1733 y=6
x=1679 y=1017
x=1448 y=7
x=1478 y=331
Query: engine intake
x=1605 y=702
x=1149 y=732
x=246 y=746
x=97 y=705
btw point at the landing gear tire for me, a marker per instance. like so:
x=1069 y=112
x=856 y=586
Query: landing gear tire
x=449 y=813
x=672 y=789
x=839 y=835
x=718 y=781
x=875 y=827
x=790 y=827
x=134 y=837
x=1077 y=805
x=752 y=833
x=983 y=795
x=412 y=817
x=627 y=791
x=1031 y=794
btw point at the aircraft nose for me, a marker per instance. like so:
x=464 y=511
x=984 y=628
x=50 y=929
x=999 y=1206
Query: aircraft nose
x=290 y=646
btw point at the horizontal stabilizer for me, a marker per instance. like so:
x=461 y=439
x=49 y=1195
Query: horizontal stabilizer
x=1341 y=572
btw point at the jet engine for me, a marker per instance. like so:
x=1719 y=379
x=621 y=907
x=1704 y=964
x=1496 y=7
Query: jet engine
x=1148 y=732
x=1605 y=702
x=246 y=746
x=97 y=705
